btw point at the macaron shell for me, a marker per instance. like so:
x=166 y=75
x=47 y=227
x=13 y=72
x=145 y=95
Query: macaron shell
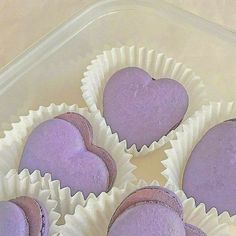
x=210 y=174
x=80 y=123
x=85 y=128
x=33 y=214
x=192 y=230
x=13 y=221
x=142 y=110
x=57 y=147
x=150 y=194
x=148 y=219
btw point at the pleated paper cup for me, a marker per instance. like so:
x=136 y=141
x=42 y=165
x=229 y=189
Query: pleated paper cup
x=157 y=65
x=94 y=218
x=11 y=146
x=182 y=147
x=13 y=186
x=66 y=203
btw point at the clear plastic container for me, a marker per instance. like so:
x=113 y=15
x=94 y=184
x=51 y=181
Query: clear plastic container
x=51 y=70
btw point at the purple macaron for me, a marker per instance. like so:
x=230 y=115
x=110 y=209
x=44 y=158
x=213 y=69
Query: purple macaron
x=141 y=109
x=210 y=172
x=63 y=147
x=149 y=211
x=36 y=215
x=23 y=216
x=13 y=221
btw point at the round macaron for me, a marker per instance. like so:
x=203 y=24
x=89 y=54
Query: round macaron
x=63 y=147
x=210 y=172
x=36 y=215
x=13 y=221
x=141 y=109
x=149 y=211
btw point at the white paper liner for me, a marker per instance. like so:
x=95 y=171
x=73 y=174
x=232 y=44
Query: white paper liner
x=13 y=185
x=66 y=203
x=93 y=219
x=193 y=131
x=11 y=146
x=157 y=65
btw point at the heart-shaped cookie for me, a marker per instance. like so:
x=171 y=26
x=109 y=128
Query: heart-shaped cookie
x=23 y=216
x=141 y=109
x=151 y=211
x=63 y=147
x=36 y=215
x=12 y=220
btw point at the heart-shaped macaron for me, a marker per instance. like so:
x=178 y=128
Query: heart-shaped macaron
x=210 y=171
x=141 y=109
x=151 y=211
x=12 y=220
x=36 y=215
x=63 y=147
x=23 y=216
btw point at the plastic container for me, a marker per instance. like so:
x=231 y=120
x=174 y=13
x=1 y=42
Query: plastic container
x=51 y=70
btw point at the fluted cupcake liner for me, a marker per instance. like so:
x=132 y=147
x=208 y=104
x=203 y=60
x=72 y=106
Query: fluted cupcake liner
x=12 y=186
x=157 y=65
x=66 y=203
x=181 y=148
x=11 y=146
x=94 y=218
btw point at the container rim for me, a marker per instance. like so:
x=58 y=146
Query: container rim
x=88 y=13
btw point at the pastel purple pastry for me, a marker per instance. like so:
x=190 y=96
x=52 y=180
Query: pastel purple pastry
x=150 y=193
x=150 y=211
x=148 y=219
x=36 y=215
x=86 y=131
x=192 y=230
x=141 y=109
x=210 y=172
x=13 y=221
x=63 y=147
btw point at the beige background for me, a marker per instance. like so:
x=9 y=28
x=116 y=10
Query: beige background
x=23 y=22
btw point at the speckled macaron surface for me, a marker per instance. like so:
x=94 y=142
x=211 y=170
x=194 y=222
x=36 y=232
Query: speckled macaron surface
x=210 y=173
x=141 y=109
x=63 y=147
x=13 y=220
x=150 y=211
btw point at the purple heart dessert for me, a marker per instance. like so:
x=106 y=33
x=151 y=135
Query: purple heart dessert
x=149 y=211
x=210 y=172
x=36 y=215
x=23 y=216
x=141 y=109
x=63 y=147
x=13 y=221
